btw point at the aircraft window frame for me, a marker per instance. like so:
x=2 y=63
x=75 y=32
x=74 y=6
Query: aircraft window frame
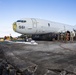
x=49 y=24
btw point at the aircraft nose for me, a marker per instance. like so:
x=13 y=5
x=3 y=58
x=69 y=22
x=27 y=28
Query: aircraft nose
x=14 y=26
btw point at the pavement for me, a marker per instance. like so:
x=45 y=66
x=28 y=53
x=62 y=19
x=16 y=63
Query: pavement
x=46 y=58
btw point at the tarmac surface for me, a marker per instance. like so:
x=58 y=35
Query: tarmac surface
x=46 y=58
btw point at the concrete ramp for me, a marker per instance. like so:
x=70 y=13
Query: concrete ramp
x=46 y=58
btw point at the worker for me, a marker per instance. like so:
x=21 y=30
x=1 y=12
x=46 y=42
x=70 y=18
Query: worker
x=71 y=36
x=10 y=37
x=58 y=37
x=67 y=36
x=62 y=36
x=5 y=37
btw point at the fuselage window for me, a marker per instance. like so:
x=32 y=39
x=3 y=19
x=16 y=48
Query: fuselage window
x=49 y=24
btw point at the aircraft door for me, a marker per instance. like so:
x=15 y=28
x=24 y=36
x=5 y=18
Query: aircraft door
x=34 y=22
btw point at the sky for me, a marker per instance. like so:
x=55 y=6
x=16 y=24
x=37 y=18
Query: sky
x=63 y=11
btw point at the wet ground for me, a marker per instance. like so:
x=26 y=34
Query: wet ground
x=46 y=58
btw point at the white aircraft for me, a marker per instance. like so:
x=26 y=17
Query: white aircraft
x=36 y=26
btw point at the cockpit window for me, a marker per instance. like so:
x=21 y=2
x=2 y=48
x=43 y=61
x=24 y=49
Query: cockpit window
x=23 y=21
